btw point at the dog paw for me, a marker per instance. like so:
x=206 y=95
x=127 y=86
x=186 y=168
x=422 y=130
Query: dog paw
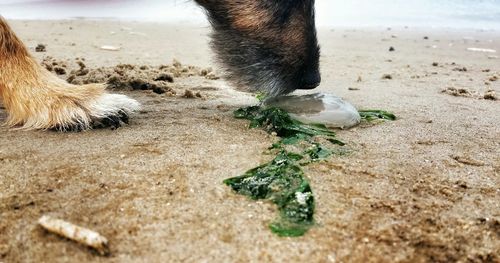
x=107 y=111
x=112 y=121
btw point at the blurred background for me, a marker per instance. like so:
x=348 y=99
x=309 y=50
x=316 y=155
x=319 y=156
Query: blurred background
x=477 y=14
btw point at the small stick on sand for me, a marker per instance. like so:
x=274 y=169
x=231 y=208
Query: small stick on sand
x=76 y=233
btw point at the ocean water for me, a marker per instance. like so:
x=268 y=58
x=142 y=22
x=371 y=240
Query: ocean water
x=477 y=14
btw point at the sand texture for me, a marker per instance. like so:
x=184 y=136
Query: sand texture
x=424 y=188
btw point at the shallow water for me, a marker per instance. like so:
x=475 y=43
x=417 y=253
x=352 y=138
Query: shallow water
x=479 y=14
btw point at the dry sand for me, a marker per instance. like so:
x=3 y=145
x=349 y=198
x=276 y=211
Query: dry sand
x=425 y=188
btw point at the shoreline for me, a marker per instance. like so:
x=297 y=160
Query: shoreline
x=484 y=14
x=319 y=28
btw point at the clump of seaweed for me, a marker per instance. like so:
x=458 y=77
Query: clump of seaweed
x=282 y=180
x=279 y=121
x=371 y=115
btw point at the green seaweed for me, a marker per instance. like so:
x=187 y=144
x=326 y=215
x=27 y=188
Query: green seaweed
x=281 y=181
x=318 y=152
x=261 y=96
x=279 y=121
x=371 y=115
x=292 y=140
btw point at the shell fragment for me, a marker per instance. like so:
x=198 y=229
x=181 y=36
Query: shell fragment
x=110 y=48
x=76 y=233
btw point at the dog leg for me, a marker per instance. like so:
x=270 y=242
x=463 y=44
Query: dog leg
x=36 y=99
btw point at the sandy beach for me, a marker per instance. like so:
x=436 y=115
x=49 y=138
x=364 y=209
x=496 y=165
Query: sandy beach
x=424 y=188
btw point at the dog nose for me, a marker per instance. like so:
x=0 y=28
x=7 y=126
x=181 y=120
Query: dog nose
x=311 y=79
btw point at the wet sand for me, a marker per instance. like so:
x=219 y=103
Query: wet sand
x=424 y=188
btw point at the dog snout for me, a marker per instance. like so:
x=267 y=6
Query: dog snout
x=311 y=79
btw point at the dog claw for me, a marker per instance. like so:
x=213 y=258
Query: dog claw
x=124 y=117
x=113 y=122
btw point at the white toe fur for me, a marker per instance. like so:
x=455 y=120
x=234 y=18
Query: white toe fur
x=112 y=104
